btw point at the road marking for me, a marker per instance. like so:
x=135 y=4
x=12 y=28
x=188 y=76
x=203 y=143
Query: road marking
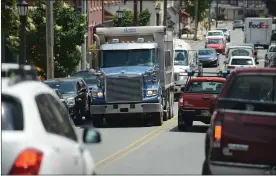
x=133 y=149
x=134 y=142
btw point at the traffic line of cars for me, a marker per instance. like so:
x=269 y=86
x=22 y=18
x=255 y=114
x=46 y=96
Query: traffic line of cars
x=38 y=134
x=240 y=108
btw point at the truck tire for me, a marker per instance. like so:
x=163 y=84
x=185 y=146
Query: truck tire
x=205 y=169
x=98 y=120
x=166 y=115
x=157 y=119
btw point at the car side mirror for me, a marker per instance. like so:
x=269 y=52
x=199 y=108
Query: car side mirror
x=91 y=136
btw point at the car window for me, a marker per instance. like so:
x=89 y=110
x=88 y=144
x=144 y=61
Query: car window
x=238 y=22
x=241 y=62
x=240 y=52
x=63 y=117
x=181 y=57
x=253 y=87
x=78 y=86
x=51 y=118
x=214 y=33
x=64 y=87
x=12 y=114
x=205 y=52
x=83 y=83
x=272 y=49
x=208 y=87
x=215 y=41
x=223 y=30
x=89 y=78
x=58 y=94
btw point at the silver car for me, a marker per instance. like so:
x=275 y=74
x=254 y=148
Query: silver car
x=238 y=24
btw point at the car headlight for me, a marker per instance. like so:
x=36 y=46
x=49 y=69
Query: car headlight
x=152 y=92
x=71 y=101
x=97 y=94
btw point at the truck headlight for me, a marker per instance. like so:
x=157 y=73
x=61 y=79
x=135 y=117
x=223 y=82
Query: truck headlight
x=152 y=92
x=71 y=101
x=97 y=94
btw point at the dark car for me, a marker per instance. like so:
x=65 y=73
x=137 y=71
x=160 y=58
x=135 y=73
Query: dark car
x=76 y=95
x=89 y=78
x=208 y=57
x=61 y=98
x=241 y=138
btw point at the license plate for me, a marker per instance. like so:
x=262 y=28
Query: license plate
x=205 y=113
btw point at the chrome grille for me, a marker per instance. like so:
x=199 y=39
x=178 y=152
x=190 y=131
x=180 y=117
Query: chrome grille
x=123 y=89
x=176 y=76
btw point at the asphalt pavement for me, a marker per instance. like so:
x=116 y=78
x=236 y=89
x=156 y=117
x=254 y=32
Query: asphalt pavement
x=136 y=150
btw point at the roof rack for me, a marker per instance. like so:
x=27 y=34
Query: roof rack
x=20 y=74
x=218 y=74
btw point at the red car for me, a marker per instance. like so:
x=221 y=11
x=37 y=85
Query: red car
x=193 y=104
x=241 y=139
x=218 y=43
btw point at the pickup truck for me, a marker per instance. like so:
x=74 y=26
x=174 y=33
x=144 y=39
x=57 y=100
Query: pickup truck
x=241 y=138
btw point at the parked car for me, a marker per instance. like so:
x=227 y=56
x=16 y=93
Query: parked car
x=88 y=76
x=217 y=43
x=37 y=134
x=238 y=62
x=268 y=56
x=193 y=104
x=208 y=57
x=241 y=137
x=226 y=32
x=238 y=24
x=76 y=94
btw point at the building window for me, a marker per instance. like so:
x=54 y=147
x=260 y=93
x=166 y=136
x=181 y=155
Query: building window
x=240 y=12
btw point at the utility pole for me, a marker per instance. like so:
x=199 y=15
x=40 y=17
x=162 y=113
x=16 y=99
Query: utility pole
x=135 y=17
x=209 y=17
x=141 y=6
x=165 y=13
x=83 y=45
x=196 y=19
x=180 y=19
x=50 y=40
x=217 y=14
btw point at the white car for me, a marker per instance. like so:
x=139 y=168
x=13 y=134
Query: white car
x=270 y=52
x=213 y=33
x=239 y=62
x=226 y=32
x=37 y=134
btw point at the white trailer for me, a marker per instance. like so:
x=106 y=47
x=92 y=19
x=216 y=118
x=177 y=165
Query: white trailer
x=258 y=31
x=135 y=68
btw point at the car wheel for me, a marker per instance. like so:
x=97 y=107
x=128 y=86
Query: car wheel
x=205 y=168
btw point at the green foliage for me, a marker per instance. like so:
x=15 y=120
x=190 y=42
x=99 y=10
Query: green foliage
x=68 y=35
x=144 y=17
x=127 y=20
x=202 y=6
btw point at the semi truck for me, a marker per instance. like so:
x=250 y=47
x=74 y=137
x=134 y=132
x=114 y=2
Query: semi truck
x=258 y=31
x=134 y=66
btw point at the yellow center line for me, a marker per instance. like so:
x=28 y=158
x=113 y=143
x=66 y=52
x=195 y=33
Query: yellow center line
x=133 y=149
x=133 y=143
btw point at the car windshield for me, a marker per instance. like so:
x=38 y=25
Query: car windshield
x=272 y=49
x=214 y=34
x=12 y=114
x=181 y=57
x=257 y=87
x=238 y=22
x=208 y=87
x=137 y=57
x=240 y=52
x=89 y=78
x=242 y=62
x=214 y=41
x=64 y=87
x=223 y=30
x=205 y=52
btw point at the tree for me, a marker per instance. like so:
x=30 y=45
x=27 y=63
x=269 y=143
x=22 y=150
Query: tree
x=69 y=33
x=144 y=17
x=202 y=6
x=127 y=20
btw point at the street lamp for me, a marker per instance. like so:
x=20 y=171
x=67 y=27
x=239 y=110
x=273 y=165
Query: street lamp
x=120 y=15
x=23 y=12
x=157 y=11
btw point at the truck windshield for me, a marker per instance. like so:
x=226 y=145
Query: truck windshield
x=181 y=57
x=208 y=87
x=137 y=57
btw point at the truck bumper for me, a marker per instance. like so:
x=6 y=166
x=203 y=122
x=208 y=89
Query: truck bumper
x=126 y=108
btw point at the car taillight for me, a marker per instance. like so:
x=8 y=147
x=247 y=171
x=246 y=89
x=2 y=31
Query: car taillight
x=217 y=130
x=252 y=67
x=230 y=67
x=27 y=163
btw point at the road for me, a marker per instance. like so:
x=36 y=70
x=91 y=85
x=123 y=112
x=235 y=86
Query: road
x=155 y=150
